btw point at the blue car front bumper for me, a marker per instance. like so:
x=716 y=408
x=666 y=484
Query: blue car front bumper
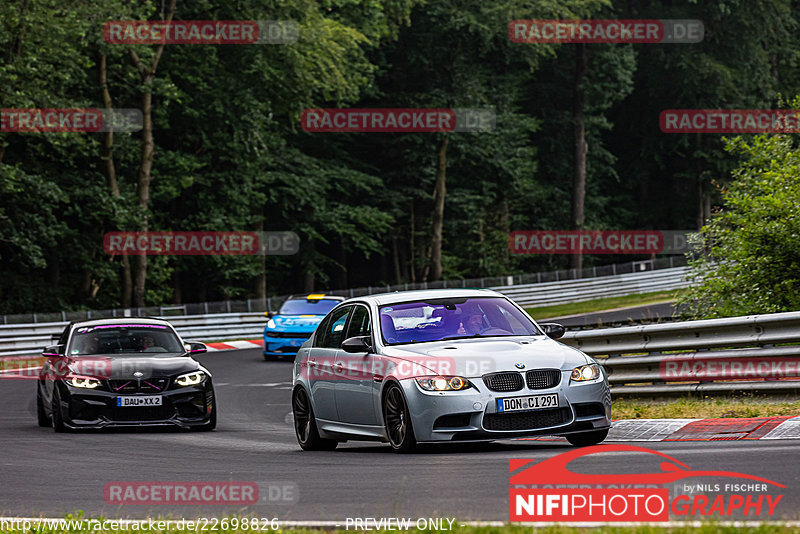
x=283 y=343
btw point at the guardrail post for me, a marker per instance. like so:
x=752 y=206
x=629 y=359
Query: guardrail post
x=34 y=318
x=269 y=303
x=228 y=305
x=614 y=268
x=205 y=306
x=88 y=315
x=249 y=309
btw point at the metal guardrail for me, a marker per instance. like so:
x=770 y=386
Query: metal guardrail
x=272 y=303
x=21 y=340
x=754 y=353
x=596 y=288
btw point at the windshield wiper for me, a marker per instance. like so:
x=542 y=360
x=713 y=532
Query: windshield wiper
x=465 y=336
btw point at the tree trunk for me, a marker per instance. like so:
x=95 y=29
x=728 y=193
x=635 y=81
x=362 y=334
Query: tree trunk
x=580 y=149
x=412 y=245
x=261 y=279
x=439 y=193
x=145 y=177
x=342 y=267
x=396 y=261
x=126 y=289
x=147 y=74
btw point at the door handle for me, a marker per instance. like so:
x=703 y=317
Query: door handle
x=377 y=378
x=312 y=363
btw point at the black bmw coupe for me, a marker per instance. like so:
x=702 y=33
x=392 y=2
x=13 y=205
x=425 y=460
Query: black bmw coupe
x=122 y=373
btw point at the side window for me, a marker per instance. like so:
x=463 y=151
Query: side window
x=320 y=332
x=333 y=335
x=359 y=323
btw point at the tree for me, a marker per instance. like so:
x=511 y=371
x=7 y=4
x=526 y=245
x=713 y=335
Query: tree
x=749 y=259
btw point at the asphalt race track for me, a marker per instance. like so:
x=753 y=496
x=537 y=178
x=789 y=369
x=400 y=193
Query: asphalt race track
x=50 y=474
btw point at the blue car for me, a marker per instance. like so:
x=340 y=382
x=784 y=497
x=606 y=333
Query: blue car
x=295 y=322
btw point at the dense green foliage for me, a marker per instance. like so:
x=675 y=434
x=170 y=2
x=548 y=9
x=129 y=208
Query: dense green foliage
x=751 y=259
x=230 y=154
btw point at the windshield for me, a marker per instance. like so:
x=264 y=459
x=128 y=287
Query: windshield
x=308 y=307
x=453 y=318
x=121 y=339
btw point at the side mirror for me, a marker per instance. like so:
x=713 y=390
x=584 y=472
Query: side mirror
x=553 y=330
x=355 y=345
x=53 y=350
x=197 y=348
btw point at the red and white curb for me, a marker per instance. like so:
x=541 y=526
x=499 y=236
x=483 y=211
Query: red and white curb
x=752 y=428
x=230 y=345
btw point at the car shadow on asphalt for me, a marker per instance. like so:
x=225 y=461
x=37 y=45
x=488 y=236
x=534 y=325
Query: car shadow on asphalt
x=462 y=448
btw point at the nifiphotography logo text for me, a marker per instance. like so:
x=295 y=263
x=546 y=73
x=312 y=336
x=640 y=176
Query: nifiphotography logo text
x=549 y=491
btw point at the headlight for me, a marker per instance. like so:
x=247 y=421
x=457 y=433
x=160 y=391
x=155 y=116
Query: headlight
x=190 y=379
x=83 y=382
x=270 y=324
x=585 y=373
x=443 y=383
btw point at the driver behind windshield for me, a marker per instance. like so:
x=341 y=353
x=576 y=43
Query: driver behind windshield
x=472 y=324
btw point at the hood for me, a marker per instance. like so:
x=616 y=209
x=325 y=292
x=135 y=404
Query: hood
x=118 y=366
x=305 y=322
x=472 y=358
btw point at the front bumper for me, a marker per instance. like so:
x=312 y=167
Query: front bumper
x=472 y=414
x=185 y=407
x=283 y=343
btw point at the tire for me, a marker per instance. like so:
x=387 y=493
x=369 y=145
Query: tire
x=585 y=439
x=305 y=425
x=58 y=418
x=212 y=423
x=41 y=415
x=397 y=420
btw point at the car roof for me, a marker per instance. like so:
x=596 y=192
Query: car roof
x=397 y=297
x=121 y=321
x=315 y=296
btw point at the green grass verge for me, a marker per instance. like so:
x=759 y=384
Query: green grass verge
x=573 y=308
x=700 y=408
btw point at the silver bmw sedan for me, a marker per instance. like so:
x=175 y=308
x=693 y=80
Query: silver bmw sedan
x=443 y=365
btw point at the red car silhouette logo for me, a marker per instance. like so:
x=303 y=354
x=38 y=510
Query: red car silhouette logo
x=554 y=470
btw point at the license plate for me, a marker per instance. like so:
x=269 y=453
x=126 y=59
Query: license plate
x=154 y=400
x=533 y=402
